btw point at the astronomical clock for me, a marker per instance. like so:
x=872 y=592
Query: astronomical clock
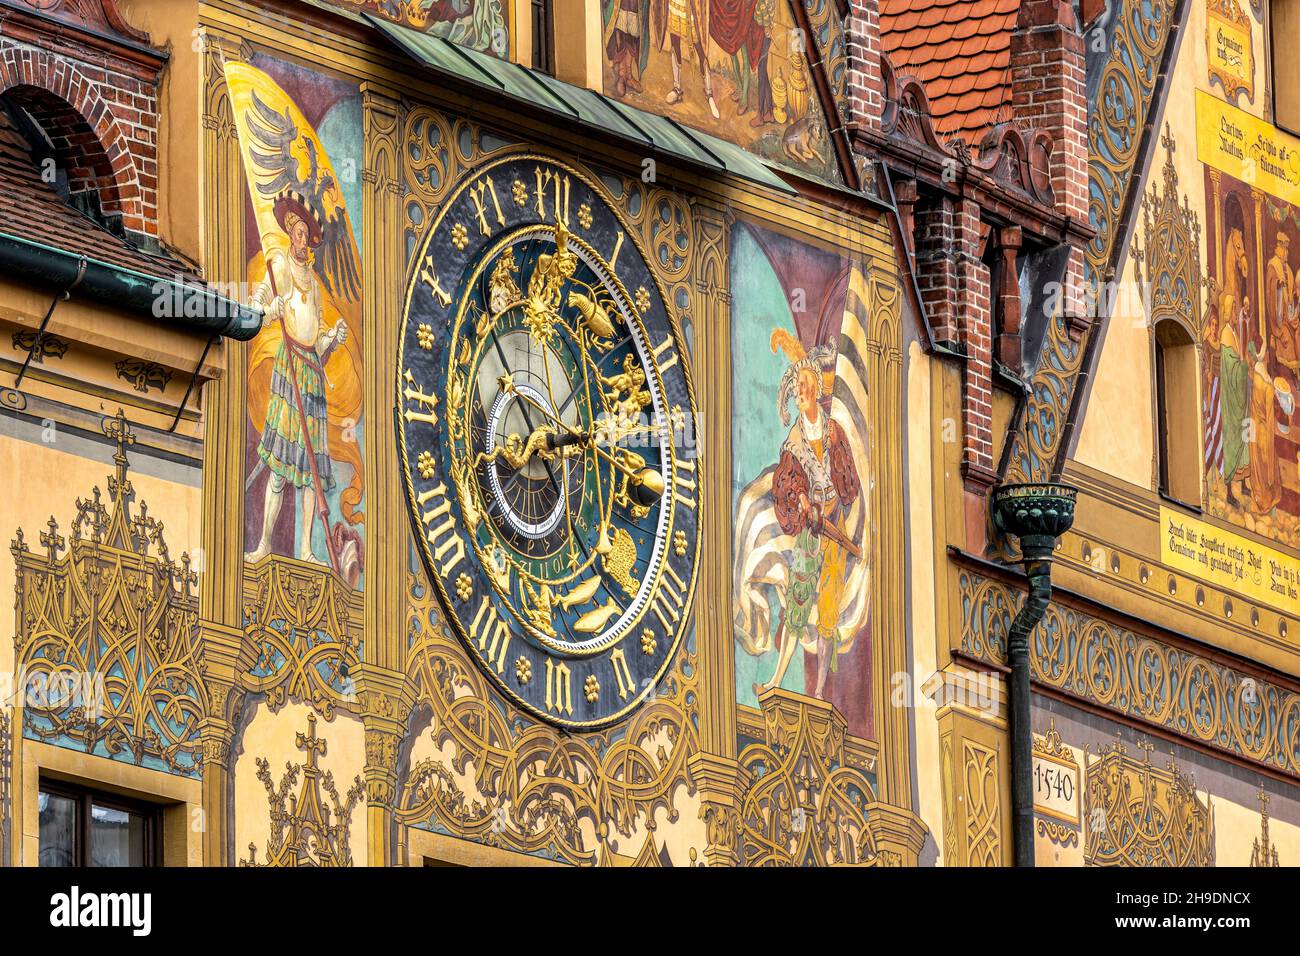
x=546 y=430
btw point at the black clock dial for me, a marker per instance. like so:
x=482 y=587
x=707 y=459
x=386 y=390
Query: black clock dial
x=547 y=441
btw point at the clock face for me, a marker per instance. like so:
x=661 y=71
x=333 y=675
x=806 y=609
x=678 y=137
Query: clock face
x=547 y=427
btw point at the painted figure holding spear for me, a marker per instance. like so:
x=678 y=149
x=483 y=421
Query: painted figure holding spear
x=295 y=442
x=304 y=367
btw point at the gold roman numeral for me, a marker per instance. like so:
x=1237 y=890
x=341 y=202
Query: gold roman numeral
x=558 y=696
x=428 y=275
x=476 y=193
x=442 y=535
x=546 y=179
x=665 y=347
x=618 y=247
x=668 y=598
x=621 y=673
x=684 y=487
x=491 y=634
x=422 y=399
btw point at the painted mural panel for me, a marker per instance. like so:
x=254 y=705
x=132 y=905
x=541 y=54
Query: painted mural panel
x=478 y=24
x=300 y=135
x=299 y=794
x=733 y=68
x=1252 y=334
x=802 y=478
x=105 y=592
x=1106 y=794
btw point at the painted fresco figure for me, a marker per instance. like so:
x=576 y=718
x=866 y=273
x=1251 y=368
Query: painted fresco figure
x=628 y=47
x=683 y=22
x=1234 y=374
x=734 y=26
x=1284 y=313
x=1264 y=475
x=295 y=298
x=814 y=484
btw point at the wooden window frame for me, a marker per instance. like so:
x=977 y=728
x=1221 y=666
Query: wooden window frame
x=86 y=797
x=542 y=57
x=1270 y=74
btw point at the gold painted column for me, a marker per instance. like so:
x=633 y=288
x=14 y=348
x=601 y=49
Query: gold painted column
x=384 y=709
x=220 y=650
x=888 y=621
x=976 y=782
x=715 y=771
x=383 y=276
x=224 y=413
x=898 y=831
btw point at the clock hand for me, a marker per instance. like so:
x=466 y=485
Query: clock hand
x=648 y=481
x=542 y=443
x=550 y=474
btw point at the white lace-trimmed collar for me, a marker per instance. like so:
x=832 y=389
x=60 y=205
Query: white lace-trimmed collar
x=813 y=430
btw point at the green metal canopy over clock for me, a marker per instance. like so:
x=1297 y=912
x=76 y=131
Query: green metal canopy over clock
x=546 y=431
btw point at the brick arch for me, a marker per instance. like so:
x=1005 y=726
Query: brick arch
x=62 y=94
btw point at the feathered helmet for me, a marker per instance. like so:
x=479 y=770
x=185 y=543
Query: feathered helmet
x=820 y=359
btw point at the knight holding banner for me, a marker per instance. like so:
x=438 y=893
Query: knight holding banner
x=291 y=293
x=304 y=368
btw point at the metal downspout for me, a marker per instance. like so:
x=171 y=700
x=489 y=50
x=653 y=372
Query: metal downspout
x=1038 y=514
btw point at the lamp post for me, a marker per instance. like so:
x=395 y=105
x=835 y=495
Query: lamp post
x=1038 y=514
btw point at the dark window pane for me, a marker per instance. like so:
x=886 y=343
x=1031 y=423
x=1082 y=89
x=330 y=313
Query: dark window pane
x=542 y=48
x=116 y=837
x=58 y=845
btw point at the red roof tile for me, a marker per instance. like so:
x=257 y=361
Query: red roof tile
x=960 y=50
x=30 y=209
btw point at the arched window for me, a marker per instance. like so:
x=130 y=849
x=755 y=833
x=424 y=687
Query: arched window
x=1178 y=420
x=65 y=151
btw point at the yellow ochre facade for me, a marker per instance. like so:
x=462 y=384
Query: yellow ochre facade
x=448 y=434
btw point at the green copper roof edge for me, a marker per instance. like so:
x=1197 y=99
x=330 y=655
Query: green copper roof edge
x=129 y=288
x=757 y=172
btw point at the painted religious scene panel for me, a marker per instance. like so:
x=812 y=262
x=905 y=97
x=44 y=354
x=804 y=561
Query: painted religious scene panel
x=304 y=484
x=801 y=480
x=478 y=24
x=1252 y=359
x=738 y=69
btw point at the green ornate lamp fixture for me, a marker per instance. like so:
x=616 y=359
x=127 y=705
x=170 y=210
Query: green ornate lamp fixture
x=1037 y=513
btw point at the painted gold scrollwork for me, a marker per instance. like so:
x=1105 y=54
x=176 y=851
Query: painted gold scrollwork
x=428 y=167
x=668 y=233
x=504 y=779
x=979 y=782
x=1140 y=815
x=106 y=635
x=1101 y=662
x=311 y=827
x=805 y=807
x=304 y=627
x=1171 y=254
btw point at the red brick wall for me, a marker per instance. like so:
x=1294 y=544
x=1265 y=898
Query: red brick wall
x=864 y=86
x=936 y=269
x=975 y=314
x=1048 y=76
x=103 y=122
